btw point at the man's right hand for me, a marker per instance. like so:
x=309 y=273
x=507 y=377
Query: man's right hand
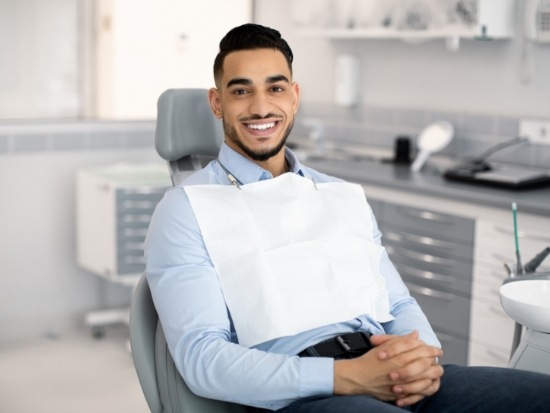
x=402 y=369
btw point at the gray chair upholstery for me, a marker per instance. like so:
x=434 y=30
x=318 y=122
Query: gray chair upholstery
x=186 y=133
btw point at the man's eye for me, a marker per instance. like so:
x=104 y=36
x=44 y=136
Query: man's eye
x=277 y=89
x=240 y=92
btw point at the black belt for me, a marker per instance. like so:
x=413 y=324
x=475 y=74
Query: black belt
x=346 y=346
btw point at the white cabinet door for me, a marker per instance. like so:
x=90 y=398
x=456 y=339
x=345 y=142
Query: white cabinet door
x=491 y=329
x=147 y=46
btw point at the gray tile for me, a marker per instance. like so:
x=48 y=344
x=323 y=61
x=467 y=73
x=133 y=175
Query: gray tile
x=507 y=126
x=468 y=148
x=30 y=143
x=140 y=138
x=381 y=116
x=478 y=124
x=106 y=140
x=454 y=118
x=67 y=141
x=412 y=117
x=377 y=137
x=522 y=155
x=4 y=143
x=542 y=157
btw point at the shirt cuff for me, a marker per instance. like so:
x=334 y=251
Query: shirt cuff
x=316 y=376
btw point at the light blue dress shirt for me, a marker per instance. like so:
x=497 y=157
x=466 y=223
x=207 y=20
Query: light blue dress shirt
x=198 y=327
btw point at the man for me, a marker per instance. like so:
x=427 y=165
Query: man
x=270 y=282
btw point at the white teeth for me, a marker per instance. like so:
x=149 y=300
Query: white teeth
x=263 y=126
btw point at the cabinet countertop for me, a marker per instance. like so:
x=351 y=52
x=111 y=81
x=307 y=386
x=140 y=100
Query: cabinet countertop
x=430 y=182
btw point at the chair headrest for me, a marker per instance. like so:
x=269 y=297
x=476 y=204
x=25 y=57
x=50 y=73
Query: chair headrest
x=186 y=125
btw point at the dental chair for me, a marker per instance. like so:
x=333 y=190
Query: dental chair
x=187 y=135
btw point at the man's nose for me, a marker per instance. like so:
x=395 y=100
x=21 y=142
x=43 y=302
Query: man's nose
x=260 y=104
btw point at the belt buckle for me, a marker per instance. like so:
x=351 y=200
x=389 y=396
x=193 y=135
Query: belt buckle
x=343 y=344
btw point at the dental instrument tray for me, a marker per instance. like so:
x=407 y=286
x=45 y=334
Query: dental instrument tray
x=503 y=177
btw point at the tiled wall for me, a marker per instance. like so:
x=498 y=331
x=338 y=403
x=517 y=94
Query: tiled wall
x=75 y=136
x=474 y=133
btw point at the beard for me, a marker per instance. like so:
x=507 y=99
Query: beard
x=260 y=155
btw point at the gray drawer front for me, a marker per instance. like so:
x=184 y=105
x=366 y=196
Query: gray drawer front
x=135 y=206
x=446 y=311
x=435 y=278
x=458 y=228
x=455 y=349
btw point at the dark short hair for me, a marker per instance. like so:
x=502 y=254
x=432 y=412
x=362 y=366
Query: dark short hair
x=249 y=37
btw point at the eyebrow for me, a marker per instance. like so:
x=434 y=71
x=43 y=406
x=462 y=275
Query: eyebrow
x=248 y=82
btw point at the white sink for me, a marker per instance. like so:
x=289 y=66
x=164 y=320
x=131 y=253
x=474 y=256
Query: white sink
x=528 y=302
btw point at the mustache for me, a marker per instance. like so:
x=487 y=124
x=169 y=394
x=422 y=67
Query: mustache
x=258 y=117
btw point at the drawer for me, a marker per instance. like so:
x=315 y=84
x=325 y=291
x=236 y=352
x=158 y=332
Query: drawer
x=138 y=200
x=435 y=279
x=490 y=325
x=496 y=245
x=446 y=311
x=431 y=222
x=455 y=349
x=377 y=208
x=482 y=355
x=437 y=245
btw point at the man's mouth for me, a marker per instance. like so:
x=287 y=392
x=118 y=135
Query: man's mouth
x=261 y=126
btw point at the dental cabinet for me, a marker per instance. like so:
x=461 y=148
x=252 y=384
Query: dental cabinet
x=451 y=255
x=433 y=252
x=114 y=204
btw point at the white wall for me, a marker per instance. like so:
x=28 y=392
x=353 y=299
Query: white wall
x=39 y=55
x=42 y=290
x=481 y=77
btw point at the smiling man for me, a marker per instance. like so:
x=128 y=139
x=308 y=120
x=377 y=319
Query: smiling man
x=257 y=109
x=271 y=283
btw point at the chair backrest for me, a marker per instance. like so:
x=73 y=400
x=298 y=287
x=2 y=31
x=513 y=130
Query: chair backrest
x=163 y=387
x=186 y=134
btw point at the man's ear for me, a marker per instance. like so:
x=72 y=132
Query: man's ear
x=296 y=95
x=215 y=102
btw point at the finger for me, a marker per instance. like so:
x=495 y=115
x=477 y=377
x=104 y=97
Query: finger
x=409 y=400
x=416 y=387
x=422 y=367
x=377 y=339
x=424 y=388
x=398 y=344
x=414 y=362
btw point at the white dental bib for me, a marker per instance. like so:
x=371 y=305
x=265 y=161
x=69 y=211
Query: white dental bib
x=290 y=255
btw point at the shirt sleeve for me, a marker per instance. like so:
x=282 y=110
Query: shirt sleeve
x=195 y=320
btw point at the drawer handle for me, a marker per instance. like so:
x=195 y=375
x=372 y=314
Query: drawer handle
x=138 y=204
x=135 y=232
x=427 y=275
x=143 y=190
x=432 y=259
x=134 y=246
x=136 y=218
x=444 y=337
x=430 y=292
x=497 y=356
x=522 y=234
x=407 y=236
x=426 y=215
x=134 y=260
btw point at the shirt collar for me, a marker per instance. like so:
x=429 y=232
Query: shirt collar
x=247 y=171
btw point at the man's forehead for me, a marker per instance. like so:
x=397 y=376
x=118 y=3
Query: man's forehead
x=255 y=63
